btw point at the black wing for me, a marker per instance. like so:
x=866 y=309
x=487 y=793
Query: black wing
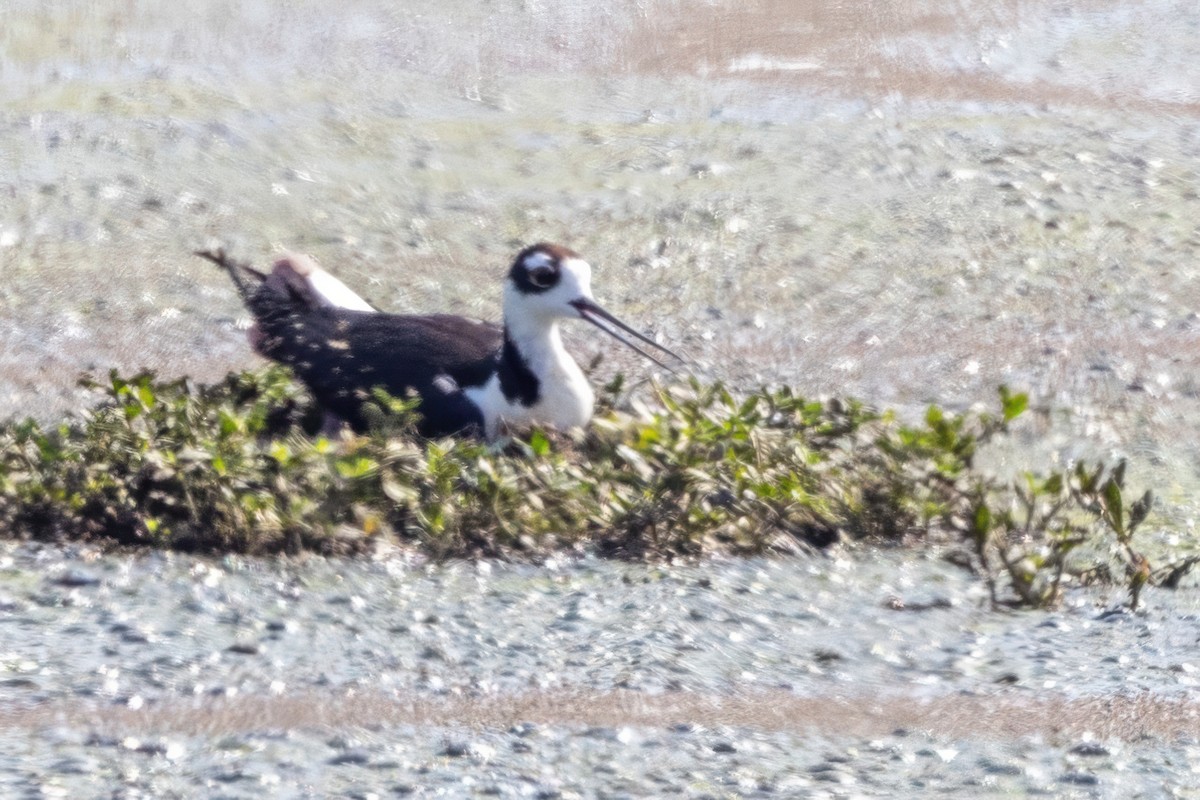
x=341 y=355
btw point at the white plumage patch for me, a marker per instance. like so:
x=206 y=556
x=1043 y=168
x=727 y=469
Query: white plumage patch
x=336 y=293
x=565 y=401
x=323 y=288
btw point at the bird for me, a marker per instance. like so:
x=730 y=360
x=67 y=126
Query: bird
x=470 y=377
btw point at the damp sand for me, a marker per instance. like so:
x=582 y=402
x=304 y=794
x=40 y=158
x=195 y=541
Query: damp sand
x=906 y=203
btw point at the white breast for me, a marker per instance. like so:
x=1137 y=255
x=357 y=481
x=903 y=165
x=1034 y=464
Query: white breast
x=565 y=400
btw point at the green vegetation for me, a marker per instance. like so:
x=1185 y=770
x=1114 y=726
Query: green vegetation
x=238 y=467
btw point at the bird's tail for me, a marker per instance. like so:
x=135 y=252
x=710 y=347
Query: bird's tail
x=295 y=279
x=239 y=272
x=319 y=289
x=268 y=300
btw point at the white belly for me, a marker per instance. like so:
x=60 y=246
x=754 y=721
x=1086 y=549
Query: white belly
x=565 y=400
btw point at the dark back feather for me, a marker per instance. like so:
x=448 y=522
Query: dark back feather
x=342 y=355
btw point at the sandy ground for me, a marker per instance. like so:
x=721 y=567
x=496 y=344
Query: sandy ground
x=907 y=202
x=988 y=717
x=854 y=675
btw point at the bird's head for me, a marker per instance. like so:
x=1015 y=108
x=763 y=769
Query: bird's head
x=548 y=282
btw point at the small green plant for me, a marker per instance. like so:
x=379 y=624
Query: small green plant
x=1027 y=535
x=241 y=466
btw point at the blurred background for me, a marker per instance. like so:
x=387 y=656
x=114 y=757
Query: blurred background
x=907 y=202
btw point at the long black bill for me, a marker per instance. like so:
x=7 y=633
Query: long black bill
x=594 y=313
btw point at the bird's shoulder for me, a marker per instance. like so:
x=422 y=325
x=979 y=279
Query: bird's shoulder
x=424 y=335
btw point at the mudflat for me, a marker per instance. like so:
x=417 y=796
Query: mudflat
x=905 y=202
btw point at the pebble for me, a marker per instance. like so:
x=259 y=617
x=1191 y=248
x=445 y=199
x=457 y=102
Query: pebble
x=1089 y=749
x=998 y=767
x=456 y=749
x=355 y=755
x=1080 y=778
x=76 y=578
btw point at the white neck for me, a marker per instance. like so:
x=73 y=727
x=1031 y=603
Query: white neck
x=565 y=399
x=540 y=343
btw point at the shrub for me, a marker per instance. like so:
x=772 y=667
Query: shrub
x=241 y=466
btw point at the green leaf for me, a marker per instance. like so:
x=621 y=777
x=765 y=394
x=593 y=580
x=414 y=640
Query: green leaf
x=228 y=422
x=1087 y=480
x=1014 y=405
x=983 y=520
x=539 y=443
x=1113 y=505
x=749 y=405
x=281 y=453
x=355 y=467
x=145 y=394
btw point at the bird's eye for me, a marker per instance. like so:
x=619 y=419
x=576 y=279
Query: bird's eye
x=542 y=277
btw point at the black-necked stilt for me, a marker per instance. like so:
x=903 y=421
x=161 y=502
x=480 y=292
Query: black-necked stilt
x=470 y=376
